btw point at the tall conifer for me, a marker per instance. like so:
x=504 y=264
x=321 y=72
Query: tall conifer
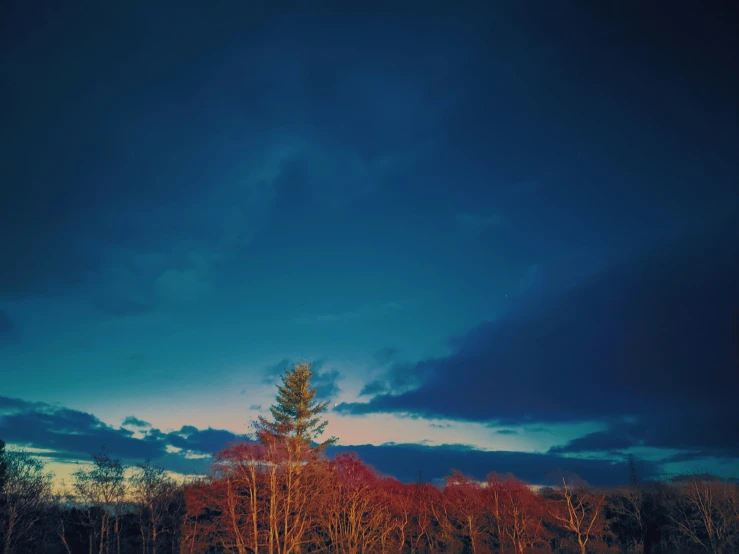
x=296 y=414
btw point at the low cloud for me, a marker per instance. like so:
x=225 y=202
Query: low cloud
x=206 y=441
x=68 y=431
x=404 y=461
x=376 y=386
x=397 y=378
x=72 y=435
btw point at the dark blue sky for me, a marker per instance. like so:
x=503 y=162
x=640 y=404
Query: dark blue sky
x=507 y=228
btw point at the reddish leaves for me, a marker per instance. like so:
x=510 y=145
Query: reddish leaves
x=264 y=498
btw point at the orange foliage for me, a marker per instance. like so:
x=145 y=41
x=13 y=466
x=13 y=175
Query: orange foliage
x=271 y=498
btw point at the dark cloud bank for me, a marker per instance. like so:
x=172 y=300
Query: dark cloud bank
x=72 y=435
x=650 y=347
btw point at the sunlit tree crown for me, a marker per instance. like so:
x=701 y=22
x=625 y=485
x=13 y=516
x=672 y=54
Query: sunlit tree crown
x=296 y=413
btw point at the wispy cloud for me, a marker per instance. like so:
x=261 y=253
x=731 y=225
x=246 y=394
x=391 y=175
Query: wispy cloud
x=8 y=329
x=272 y=372
x=470 y=223
x=363 y=312
x=385 y=355
x=327 y=383
x=307 y=319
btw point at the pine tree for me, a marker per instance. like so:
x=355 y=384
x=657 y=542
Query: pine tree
x=297 y=412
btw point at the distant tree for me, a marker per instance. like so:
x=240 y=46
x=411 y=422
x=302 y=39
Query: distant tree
x=297 y=412
x=59 y=515
x=627 y=507
x=103 y=488
x=155 y=491
x=26 y=491
x=707 y=515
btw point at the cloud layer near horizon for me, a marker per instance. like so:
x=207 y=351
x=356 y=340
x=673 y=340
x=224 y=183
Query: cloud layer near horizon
x=66 y=435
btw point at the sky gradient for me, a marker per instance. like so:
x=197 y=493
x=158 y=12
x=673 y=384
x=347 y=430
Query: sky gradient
x=506 y=234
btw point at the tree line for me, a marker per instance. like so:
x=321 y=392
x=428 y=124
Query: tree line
x=280 y=494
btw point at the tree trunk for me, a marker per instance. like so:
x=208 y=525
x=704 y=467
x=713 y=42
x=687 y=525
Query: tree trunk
x=117 y=536
x=6 y=548
x=143 y=538
x=102 y=535
x=63 y=537
x=9 y=532
x=254 y=516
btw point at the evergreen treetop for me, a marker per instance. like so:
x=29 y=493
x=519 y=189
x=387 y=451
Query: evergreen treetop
x=296 y=413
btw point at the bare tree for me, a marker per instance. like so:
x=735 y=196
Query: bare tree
x=580 y=513
x=61 y=498
x=154 y=490
x=26 y=490
x=103 y=489
x=706 y=514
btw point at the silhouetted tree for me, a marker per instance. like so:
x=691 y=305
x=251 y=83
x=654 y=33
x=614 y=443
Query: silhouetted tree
x=3 y=467
x=26 y=492
x=155 y=492
x=706 y=515
x=103 y=489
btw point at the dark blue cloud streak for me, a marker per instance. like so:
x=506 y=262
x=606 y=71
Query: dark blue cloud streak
x=72 y=435
x=653 y=339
